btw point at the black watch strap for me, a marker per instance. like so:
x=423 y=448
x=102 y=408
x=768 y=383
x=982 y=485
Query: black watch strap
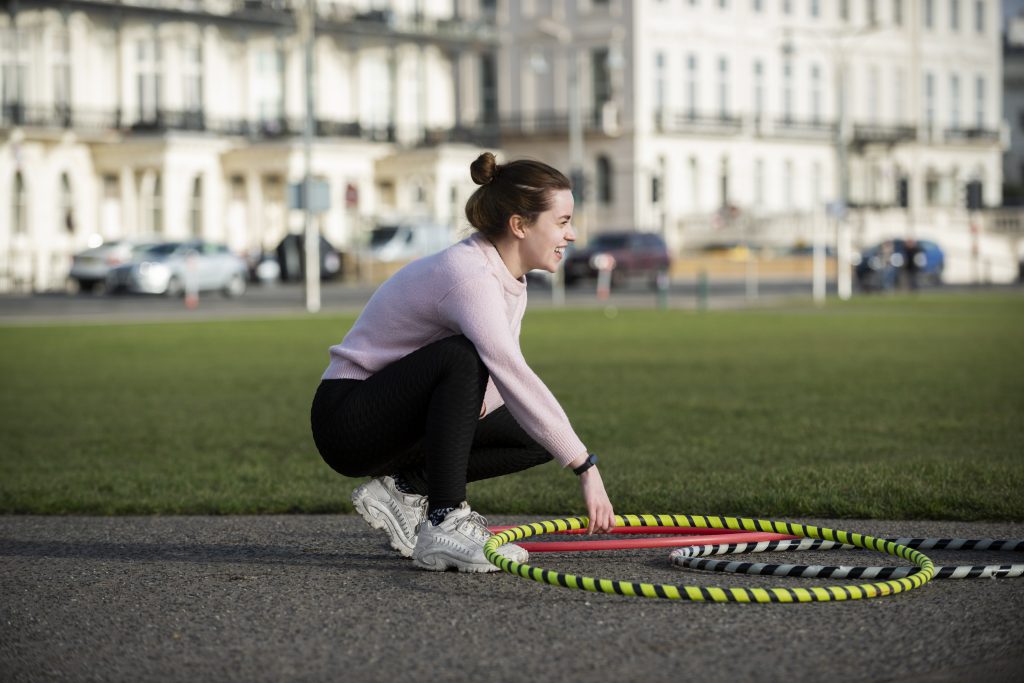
x=587 y=464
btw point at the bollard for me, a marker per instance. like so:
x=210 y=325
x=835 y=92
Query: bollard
x=702 y=290
x=604 y=263
x=661 y=289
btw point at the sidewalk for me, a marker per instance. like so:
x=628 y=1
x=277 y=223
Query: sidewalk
x=316 y=598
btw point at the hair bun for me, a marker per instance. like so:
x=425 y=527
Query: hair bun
x=484 y=170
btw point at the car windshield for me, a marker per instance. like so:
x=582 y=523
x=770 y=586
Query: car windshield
x=610 y=242
x=382 y=235
x=165 y=249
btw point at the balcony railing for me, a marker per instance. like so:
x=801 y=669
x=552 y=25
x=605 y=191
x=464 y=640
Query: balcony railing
x=696 y=124
x=971 y=135
x=814 y=129
x=547 y=122
x=163 y=121
x=874 y=134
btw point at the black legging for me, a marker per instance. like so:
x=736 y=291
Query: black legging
x=420 y=417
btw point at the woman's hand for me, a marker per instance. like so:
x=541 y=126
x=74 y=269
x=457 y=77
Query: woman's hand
x=599 y=508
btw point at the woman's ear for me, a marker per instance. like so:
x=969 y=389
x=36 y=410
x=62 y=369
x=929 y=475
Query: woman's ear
x=517 y=226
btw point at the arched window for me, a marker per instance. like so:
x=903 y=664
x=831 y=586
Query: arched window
x=19 y=207
x=196 y=208
x=67 y=204
x=604 y=180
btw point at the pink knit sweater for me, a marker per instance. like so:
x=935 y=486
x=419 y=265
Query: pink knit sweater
x=465 y=289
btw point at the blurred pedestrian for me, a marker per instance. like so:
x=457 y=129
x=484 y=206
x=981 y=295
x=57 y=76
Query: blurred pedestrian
x=912 y=262
x=889 y=270
x=429 y=389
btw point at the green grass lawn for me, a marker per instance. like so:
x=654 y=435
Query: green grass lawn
x=887 y=407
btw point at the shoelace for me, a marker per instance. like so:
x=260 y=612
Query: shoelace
x=475 y=525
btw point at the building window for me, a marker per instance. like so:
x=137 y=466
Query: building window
x=62 y=72
x=19 y=207
x=954 y=15
x=602 y=82
x=979 y=103
x=979 y=16
x=818 y=180
x=758 y=89
x=787 y=91
x=192 y=69
x=67 y=205
x=929 y=103
x=815 y=9
x=929 y=14
x=759 y=182
x=787 y=7
x=872 y=10
x=757 y=5
x=844 y=10
x=874 y=90
x=787 y=181
x=14 y=70
x=816 y=93
x=604 y=180
x=488 y=89
x=269 y=88
x=723 y=183
x=694 y=184
x=148 y=78
x=196 y=208
x=897 y=12
x=954 y=102
x=899 y=94
x=691 y=86
x=723 y=87
x=659 y=82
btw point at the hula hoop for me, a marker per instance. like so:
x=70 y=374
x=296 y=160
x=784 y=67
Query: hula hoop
x=706 y=593
x=692 y=558
x=663 y=542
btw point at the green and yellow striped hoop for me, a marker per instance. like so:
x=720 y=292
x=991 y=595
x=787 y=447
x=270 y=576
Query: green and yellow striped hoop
x=707 y=593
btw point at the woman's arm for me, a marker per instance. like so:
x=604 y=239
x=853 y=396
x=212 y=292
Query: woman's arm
x=599 y=507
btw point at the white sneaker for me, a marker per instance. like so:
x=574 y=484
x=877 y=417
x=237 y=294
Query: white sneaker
x=385 y=507
x=458 y=542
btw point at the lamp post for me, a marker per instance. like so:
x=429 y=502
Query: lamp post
x=839 y=208
x=305 y=18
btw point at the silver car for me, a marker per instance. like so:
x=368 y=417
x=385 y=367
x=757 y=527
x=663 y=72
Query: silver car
x=89 y=268
x=173 y=268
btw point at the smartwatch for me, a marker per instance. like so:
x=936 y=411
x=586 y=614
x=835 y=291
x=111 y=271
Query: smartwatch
x=587 y=464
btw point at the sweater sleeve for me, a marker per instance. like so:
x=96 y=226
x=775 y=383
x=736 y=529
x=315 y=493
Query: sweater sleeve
x=476 y=309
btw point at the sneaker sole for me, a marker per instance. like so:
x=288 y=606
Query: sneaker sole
x=439 y=562
x=379 y=518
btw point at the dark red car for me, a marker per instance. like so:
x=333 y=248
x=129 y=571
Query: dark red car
x=633 y=254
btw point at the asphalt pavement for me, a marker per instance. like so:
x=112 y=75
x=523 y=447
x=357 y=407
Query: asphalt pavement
x=323 y=598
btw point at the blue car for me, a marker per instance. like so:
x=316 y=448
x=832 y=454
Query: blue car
x=889 y=264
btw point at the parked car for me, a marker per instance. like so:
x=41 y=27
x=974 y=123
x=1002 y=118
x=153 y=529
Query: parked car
x=404 y=241
x=89 y=268
x=633 y=254
x=172 y=267
x=291 y=259
x=885 y=265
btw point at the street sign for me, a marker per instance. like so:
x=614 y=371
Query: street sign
x=319 y=196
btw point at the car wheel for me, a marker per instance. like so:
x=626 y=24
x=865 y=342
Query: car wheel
x=235 y=286
x=174 y=286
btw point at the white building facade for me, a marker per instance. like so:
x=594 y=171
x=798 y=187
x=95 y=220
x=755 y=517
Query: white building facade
x=716 y=120
x=177 y=119
x=709 y=121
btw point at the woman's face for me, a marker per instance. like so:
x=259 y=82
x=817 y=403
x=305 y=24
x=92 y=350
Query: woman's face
x=546 y=240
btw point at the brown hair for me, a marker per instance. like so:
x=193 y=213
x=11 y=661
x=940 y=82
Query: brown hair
x=518 y=188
